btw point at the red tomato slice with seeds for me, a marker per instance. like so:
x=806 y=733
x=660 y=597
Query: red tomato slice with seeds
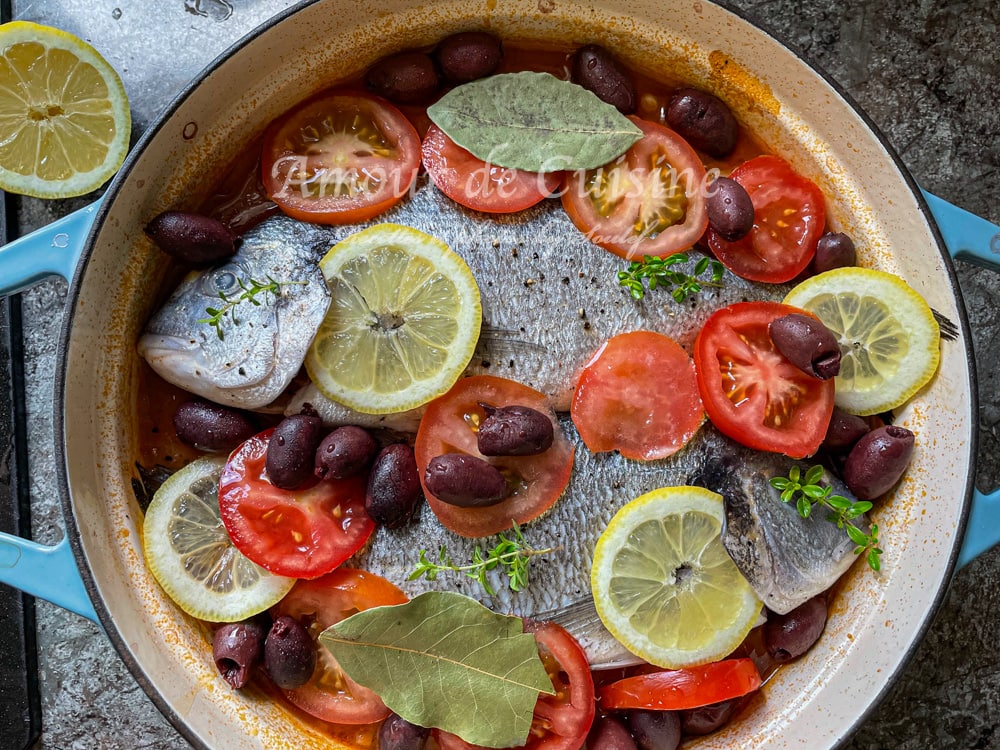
x=340 y=158
x=561 y=721
x=752 y=393
x=638 y=396
x=330 y=694
x=478 y=185
x=448 y=426
x=300 y=533
x=789 y=216
x=649 y=201
x=677 y=689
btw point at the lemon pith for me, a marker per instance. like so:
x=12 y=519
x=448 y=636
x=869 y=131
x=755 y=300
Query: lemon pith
x=403 y=322
x=191 y=556
x=63 y=110
x=889 y=339
x=663 y=583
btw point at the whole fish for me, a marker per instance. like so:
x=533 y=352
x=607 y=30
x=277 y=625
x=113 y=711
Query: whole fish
x=550 y=299
x=259 y=344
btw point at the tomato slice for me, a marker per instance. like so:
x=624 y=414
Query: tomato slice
x=677 y=689
x=789 y=216
x=639 y=396
x=340 y=158
x=330 y=694
x=561 y=721
x=649 y=201
x=752 y=393
x=448 y=427
x=479 y=185
x=301 y=533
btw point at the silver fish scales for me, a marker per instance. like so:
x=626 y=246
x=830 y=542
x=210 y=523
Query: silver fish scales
x=550 y=299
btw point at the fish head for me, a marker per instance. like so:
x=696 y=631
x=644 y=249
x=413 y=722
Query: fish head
x=786 y=557
x=238 y=333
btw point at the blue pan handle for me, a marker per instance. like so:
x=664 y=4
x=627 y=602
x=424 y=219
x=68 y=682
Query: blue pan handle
x=973 y=239
x=46 y=572
x=53 y=250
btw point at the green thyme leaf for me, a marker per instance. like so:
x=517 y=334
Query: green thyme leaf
x=658 y=272
x=513 y=555
x=807 y=493
x=250 y=291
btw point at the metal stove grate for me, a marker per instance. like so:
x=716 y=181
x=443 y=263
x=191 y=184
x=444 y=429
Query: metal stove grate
x=20 y=708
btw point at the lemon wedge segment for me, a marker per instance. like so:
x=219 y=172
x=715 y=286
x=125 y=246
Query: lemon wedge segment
x=63 y=112
x=191 y=556
x=663 y=583
x=403 y=321
x=889 y=339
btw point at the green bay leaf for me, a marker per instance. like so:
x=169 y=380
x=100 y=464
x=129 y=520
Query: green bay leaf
x=533 y=121
x=443 y=660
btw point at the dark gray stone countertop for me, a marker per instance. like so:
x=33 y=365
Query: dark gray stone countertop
x=928 y=74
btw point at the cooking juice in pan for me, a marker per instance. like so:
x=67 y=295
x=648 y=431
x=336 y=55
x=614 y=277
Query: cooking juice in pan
x=550 y=300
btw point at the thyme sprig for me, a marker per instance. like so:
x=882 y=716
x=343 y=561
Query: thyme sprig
x=806 y=493
x=249 y=290
x=660 y=272
x=513 y=555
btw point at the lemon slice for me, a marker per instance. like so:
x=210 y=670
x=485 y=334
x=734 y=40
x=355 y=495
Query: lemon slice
x=889 y=339
x=190 y=554
x=63 y=113
x=403 y=322
x=664 y=585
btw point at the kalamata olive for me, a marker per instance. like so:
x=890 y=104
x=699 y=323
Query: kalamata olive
x=788 y=636
x=730 y=210
x=289 y=653
x=291 y=452
x=212 y=427
x=596 y=69
x=464 y=480
x=807 y=344
x=707 y=719
x=192 y=238
x=610 y=734
x=655 y=730
x=514 y=431
x=236 y=648
x=393 y=486
x=834 y=250
x=468 y=56
x=704 y=121
x=345 y=452
x=877 y=461
x=396 y=733
x=844 y=431
x=406 y=78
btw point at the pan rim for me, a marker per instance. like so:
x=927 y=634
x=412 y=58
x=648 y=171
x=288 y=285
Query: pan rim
x=73 y=531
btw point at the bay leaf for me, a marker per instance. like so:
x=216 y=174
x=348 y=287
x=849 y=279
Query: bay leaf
x=533 y=121
x=444 y=660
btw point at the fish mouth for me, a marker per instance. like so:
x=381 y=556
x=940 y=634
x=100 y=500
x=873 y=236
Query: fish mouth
x=181 y=361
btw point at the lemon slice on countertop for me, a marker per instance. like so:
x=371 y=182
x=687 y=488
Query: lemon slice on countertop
x=190 y=554
x=889 y=339
x=403 y=321
x=665 y=586
x=63 y=113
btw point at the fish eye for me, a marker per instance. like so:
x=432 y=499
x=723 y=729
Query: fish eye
x=222 y=281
